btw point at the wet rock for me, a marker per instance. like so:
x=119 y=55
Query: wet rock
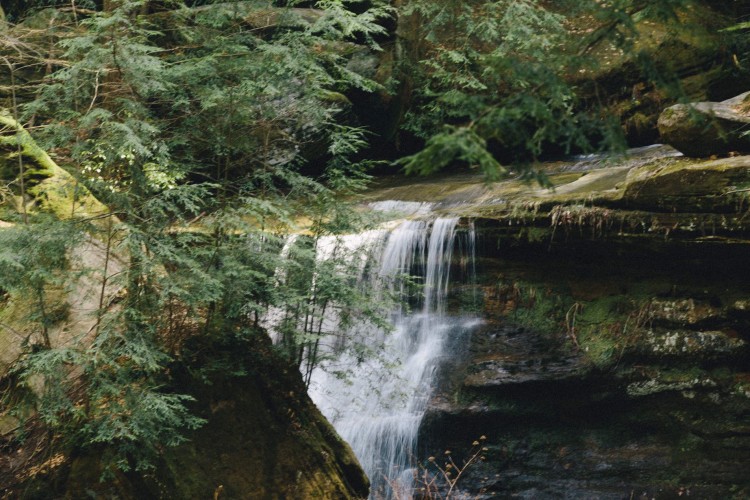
x=510 y=371
x=654 y=386
x=622 y=381
x=739 y=308
x=512 y=355
x=707 y=128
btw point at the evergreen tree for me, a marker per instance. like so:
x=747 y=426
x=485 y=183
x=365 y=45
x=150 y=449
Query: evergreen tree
x=189 y=125
x=498 y=79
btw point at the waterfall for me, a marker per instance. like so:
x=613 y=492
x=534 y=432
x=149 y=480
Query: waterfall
x=377 y=409
x=275 y=314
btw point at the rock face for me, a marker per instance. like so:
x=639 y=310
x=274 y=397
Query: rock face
x=614 y=359
x=639 y=198
x=601 y=373
x=264 y=439
x=707 y=128
x=703 y=187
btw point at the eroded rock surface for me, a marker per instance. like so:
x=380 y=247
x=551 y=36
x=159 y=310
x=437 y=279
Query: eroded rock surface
x=601 y=373
x=614 y=359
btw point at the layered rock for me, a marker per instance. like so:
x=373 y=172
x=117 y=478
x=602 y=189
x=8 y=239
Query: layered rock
x=602 y=376
x=639 y=198
x=613 y=360
x=688 y=186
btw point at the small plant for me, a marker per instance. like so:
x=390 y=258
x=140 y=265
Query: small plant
x=437 y=479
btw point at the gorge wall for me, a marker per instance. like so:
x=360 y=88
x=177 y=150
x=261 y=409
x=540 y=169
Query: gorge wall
x=602 y=371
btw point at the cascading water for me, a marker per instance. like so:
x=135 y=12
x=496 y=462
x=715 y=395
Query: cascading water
x=377 y=409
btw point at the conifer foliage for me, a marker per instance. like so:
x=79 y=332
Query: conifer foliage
x=496 y=82
x=194 y=137
x=189 y=124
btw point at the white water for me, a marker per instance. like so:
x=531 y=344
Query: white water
x=402 y=208
x=377 y=409
x=275 y=315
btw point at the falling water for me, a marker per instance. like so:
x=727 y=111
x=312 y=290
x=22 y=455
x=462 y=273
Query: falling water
x=379 y=407
x=275 y=314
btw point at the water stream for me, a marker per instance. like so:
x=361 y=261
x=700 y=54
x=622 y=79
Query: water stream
x=377 y=409
x=376 y=396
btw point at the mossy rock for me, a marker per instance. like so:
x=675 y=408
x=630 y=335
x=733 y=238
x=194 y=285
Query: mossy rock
x=672 y=383
x=707 y=128
x=691 y=345
x=264 y=438
x=688 y=186
x=684 y=312
x=53 y=187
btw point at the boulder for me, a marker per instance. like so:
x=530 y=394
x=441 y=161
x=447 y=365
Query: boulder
x=263 y=438
x=708 y=128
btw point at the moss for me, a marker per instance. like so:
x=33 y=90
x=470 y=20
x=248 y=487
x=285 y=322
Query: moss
x=64 y=196
x=336 y=98
x=264 y=438
x=564 y=178
x=14 y=328
x=600 y=330
x=537 y=308
x=641 y=122
x=534 y=234
x=19 y=320
x=56 y=189
x=8 y=424
x=8 y=170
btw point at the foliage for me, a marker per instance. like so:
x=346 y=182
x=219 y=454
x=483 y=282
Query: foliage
x=455 y=144
x=498 y=78
x=214 y=130
x=191 y=128
x=17 y=10
x=495 y=71
x=33 y=264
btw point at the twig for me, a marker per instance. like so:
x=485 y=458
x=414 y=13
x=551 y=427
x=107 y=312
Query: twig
x=96 y=91
x=570 y=322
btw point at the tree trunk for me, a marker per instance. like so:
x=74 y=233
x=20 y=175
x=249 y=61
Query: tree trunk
x=57 y=189
x=110 y=5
